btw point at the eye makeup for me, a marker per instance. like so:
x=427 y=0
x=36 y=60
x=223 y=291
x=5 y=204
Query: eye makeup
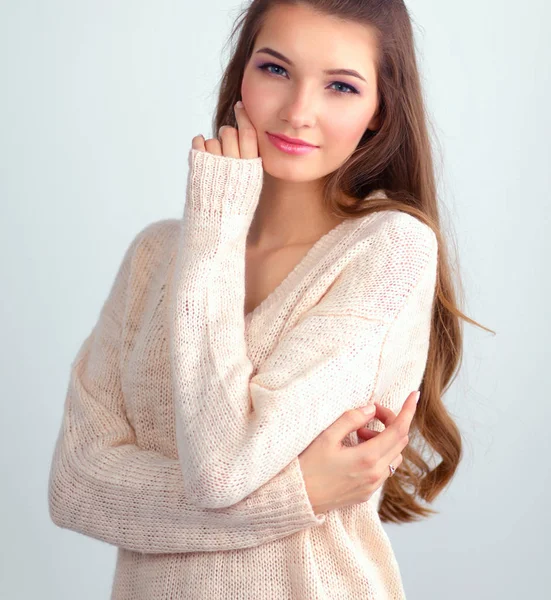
x=265 y=68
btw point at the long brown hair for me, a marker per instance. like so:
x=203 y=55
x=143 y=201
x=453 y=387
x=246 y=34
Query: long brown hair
x=398 y=159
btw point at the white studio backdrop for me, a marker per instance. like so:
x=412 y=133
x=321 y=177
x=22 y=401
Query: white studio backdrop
x=98 y=104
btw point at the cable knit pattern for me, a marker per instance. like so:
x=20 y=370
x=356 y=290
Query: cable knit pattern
x=184 y=418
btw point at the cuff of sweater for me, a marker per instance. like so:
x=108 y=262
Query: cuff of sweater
x=289 y=508
x=224 y=184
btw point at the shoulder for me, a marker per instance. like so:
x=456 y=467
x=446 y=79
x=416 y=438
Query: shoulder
x=394 y=228
x=393 y=255
x=394 y=240
x=154 y=239
x=158 y=231
x=146 y=258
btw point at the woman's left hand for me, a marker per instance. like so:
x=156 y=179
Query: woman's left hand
x=235 y=143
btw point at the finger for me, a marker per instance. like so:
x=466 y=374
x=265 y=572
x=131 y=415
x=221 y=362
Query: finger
x=384 y=414
x=395 y=462
x=214 y=147
x=365 y=434
x=198 y=143
x=348 y=422
x=229 y=139
x=402 y=419
x=396 y=428
x=248 y=138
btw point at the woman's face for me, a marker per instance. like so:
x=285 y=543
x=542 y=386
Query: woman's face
x=331 y=111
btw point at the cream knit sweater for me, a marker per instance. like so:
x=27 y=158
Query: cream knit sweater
x=184 y=418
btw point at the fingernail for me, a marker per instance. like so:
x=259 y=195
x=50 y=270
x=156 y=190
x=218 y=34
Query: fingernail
x=239 y=104
x=368 y=410
x=418 y=394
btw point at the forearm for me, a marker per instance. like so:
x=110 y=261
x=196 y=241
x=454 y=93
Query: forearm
x=136 y=499
x=102 y=484
x=327 y=363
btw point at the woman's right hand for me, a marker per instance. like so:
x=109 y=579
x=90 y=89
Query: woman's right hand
x=337 y=475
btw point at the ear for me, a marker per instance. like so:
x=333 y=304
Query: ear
x=375 y=122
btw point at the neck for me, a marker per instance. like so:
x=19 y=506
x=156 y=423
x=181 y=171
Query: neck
x=289 y=214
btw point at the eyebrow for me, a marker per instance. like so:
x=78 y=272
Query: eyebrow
x=277 y=54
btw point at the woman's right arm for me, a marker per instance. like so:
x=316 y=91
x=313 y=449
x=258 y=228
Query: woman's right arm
x=103 y=485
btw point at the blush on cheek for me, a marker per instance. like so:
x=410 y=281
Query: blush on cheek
x=352 y=116
x=254 y=107
x=249 y=106
x=260 y=104
x=248 y=95
x=348 y=130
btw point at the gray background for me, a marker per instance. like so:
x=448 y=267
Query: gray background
x=99 y=102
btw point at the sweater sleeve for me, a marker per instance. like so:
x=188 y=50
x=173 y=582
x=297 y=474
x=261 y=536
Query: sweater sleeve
x=103 y=485
x=327 y=363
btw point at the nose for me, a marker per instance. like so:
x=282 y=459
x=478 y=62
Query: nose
x=299 y=112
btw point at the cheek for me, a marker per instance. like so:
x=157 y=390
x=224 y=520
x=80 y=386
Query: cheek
x=256 y=100
x=347 y=127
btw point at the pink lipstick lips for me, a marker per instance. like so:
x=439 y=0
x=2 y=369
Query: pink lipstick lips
x=286 y=145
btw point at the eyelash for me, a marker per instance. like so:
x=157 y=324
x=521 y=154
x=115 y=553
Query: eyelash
x=265 y=66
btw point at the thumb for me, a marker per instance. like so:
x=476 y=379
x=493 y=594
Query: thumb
x=349 y=422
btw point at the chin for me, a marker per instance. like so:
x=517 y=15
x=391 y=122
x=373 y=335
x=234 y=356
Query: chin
x=276 y=156
x=298 y=169
x=285 y=173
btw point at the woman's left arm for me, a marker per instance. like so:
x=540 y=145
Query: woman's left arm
x=236 y=431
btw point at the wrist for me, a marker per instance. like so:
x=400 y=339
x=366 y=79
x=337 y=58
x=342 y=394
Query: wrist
x=315 y=495
x=230 y=186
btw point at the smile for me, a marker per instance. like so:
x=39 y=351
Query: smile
x=288 y=147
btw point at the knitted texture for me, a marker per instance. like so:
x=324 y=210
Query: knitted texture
x=184 y=417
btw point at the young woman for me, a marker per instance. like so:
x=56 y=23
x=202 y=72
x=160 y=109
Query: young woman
x=214 y=413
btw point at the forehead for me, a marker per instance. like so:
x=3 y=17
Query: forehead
x=312 y=40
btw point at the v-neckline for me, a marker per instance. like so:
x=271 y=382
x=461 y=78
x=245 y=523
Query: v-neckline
x=322 y=244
